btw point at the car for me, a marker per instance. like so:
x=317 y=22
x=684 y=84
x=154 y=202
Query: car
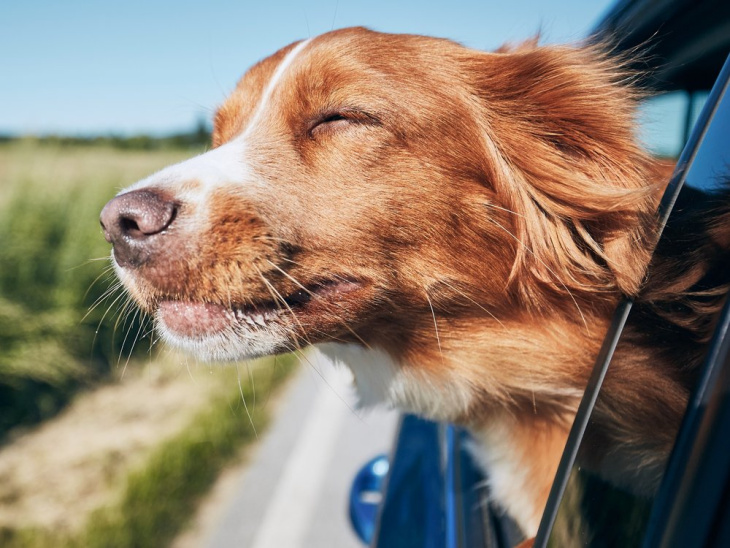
x=430 y=493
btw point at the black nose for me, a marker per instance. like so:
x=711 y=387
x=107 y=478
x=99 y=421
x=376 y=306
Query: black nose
x=132 y=220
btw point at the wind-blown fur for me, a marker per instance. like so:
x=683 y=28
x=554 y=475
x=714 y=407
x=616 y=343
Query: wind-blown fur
x=469 y=219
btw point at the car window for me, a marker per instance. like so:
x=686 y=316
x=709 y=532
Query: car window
x=599 y=506
x=667 y=119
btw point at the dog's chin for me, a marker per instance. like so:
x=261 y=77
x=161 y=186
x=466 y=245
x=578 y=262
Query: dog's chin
x=213 y=332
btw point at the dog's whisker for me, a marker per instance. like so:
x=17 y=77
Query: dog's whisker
x=107 y=293
x=292 y=278
x=141 y=332
x=253 y=384
x=101 y=321
x=467 y=297
x=493 y=206
x=302 y=356
x=280 y=298
x=349 y=328
x=314 y=295
x=435 y=325
x=292 y=261
x=190 y=373
x=243 y=399
x=87 y=262
x=154 y=340
x=269 y=384
x=334 y=338
x=123 y=312
x=129 y=329
x=105 y=272
x=147 y=328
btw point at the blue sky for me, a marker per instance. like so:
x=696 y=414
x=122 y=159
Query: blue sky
x=83 y=67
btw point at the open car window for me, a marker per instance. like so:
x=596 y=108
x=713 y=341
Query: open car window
x=590 y=506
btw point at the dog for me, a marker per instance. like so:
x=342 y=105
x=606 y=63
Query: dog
x=455 y=226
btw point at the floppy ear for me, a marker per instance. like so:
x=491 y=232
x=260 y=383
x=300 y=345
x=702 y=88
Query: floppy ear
x=558 y=125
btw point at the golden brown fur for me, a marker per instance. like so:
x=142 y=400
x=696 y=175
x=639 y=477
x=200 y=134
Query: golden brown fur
x=474 y=216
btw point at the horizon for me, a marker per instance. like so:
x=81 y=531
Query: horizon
x=83 y=69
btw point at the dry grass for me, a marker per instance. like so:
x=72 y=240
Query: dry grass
x=52 y=477
x=67 y=482
x=58 y=170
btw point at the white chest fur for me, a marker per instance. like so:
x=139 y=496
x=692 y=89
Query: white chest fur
x=381 y=380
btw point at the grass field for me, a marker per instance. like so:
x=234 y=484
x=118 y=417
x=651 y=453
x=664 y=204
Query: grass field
x=91 y=446
x=52 y=263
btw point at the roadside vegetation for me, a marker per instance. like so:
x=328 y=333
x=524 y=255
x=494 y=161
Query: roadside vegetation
x=68 y=340
x=144 y=497
x=54 y=268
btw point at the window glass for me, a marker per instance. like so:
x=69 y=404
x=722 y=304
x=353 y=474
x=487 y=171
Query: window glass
x=627 y=443
x=664 y=122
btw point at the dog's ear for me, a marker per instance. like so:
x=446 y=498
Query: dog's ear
x=558 y=126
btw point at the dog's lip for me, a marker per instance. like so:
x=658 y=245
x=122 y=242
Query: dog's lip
x=198 y=319
x=194 y=319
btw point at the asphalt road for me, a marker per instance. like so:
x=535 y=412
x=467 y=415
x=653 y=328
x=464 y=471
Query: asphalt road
x=294 y=493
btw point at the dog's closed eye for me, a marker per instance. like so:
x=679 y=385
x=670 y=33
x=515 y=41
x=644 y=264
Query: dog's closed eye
x=334 y=121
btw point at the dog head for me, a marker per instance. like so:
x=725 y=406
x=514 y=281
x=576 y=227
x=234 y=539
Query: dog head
x=366 y=188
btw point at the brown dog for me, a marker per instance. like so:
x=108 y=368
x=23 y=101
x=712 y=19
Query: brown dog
x=455 y=226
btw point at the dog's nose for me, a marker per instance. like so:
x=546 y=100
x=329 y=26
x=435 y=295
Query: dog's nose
x=131 y=220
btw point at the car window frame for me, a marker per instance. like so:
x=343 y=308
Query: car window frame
x=676 y=183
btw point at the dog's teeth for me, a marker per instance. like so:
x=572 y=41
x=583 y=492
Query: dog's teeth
x=255 y=320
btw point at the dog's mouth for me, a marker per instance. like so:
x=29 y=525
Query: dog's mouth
x=199 y=320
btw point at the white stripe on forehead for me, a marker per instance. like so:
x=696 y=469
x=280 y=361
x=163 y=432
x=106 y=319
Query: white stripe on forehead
x=266 y=95
x=227 y=163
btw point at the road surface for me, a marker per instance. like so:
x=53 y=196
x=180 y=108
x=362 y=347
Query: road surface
x=294 y=491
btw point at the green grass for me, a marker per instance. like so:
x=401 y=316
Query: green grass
x=159 y=497
x=53 y=267
x=53 y=259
